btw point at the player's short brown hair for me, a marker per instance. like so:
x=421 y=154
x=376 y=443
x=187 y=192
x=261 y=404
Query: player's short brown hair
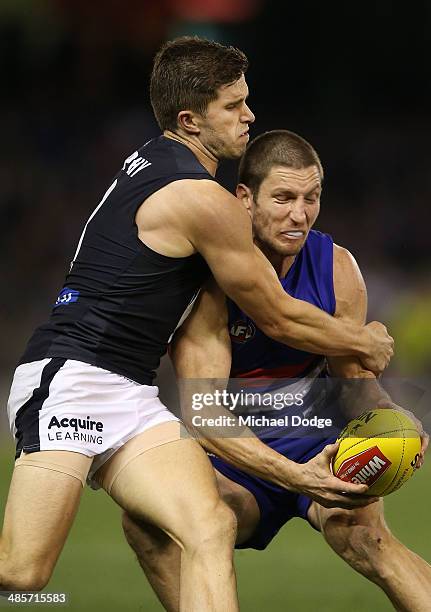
x=186 y=75
x=275 y=148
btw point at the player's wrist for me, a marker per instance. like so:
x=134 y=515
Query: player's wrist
x=363 y=344
x=352 y=339
x=292 y=476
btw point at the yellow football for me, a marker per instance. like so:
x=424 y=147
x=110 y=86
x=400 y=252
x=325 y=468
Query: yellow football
x=379 y=448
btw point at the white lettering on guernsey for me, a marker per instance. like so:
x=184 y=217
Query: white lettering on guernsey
x=129 y=159
x=103 y=200
x=137 y=166
x=135 y=163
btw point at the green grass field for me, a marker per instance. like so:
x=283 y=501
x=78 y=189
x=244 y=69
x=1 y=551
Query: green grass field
x=297 y=573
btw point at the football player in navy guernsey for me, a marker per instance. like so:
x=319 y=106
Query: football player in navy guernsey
x=280 y=184
x=83 y=404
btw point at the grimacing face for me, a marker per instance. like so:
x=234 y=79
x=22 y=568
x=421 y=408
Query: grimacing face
x=224 y=128
x=285 y=208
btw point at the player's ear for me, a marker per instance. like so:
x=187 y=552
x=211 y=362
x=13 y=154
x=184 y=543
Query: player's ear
x=187 y=122
x=244 y=194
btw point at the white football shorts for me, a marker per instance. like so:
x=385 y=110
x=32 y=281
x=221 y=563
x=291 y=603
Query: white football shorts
x=63 y=404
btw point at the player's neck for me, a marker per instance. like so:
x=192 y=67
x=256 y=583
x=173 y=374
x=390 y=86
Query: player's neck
x=280 y=263
x=207 y=159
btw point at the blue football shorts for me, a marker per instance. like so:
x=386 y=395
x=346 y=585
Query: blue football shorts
x=276 y=505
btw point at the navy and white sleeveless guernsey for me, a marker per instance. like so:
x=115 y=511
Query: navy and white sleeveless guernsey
x=122 y=301
x=256 y=358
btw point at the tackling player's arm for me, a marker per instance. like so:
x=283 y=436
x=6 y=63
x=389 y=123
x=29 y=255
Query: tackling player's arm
x=351 y=300
x=201 y=354
x=219 y=227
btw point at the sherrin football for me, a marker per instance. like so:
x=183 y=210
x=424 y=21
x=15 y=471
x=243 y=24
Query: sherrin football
x=379 y=448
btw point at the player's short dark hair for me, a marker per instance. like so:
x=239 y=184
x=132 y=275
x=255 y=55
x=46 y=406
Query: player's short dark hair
x=275 y=148
x=187 y=73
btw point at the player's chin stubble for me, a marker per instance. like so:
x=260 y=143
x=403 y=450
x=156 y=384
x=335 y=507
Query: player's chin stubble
x=224 y=150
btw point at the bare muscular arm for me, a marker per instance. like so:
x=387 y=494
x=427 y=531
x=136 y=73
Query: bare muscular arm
x=351 y=304
x=361 y=390
x=201 y=355
x=202 y=216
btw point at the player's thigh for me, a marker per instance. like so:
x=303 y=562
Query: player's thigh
x=43 y=498
x=172 y=486
x=150 y=542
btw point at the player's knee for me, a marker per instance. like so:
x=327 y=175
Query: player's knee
x=214 y=531
x=30 y=578
x=222 y=527
x=33 y=580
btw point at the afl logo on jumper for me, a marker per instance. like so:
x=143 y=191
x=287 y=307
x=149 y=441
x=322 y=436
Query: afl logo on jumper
x=241 y=331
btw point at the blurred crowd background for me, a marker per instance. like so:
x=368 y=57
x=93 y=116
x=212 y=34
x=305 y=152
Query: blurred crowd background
x=353 y=80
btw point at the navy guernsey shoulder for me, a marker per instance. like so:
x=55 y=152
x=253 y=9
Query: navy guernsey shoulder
x=122 y=301
x=310 y=278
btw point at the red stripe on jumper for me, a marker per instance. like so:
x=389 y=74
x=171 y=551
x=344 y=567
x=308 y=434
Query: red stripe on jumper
x=286 y=371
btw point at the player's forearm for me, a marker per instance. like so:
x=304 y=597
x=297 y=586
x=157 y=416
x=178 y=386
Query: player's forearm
x=359 y=392
x=307 y=328
x=252 y=456
x=289 y=320
x=218 y=430
x=357 y=388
